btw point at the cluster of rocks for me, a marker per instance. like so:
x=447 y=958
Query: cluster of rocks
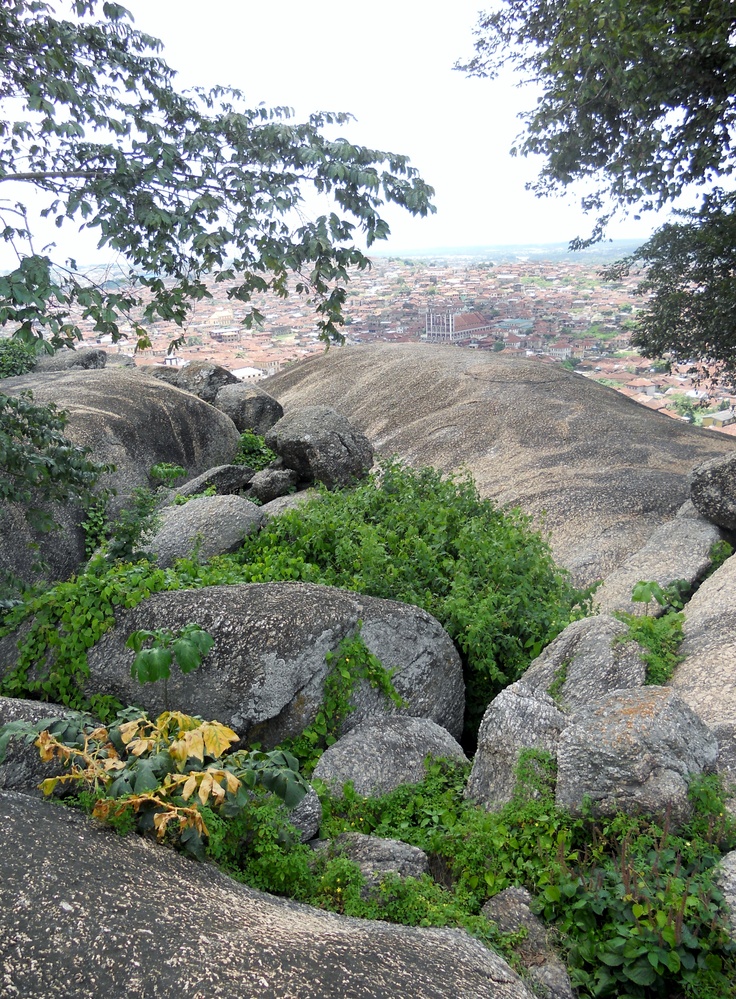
x=619 y=744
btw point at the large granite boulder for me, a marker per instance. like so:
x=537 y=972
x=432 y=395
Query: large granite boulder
x=84 y=912
x=713 y=490
x=22 y=768
x=201 y=378
x=679 y=549
x=517 y=719
x=378 y=757
x=511 y=911
x=211 y=525
x=265 y=675
x=249 y=407
x=706 y=678
x=321 y=445
x=605 y=470
x=377 y=857
x=726 y=879
x=271 y=483
x=226 y=480
x=586 y=660
x=62 y=360
x=634 y=751
x=125 y=419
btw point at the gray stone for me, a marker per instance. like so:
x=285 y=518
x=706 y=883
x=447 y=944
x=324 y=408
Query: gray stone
x=270 y=483
x=228 y=480
x=264 y=678
x=511 y=911
x=249 y=407
x=378 y=857
x=516 y=719
x=291 y=502
x=307 y=815
x=706 y=678
x=204 y=379
x=22 y=769
x=605 y=470
x=726 y=763
x=64 y=359
x=213 y=525
x=321 y=445
x=634 y=751
x=713 y=490
x=593 y=660
x=679 y=549
x=726 y=880
x=377 y=758
x=125 y=419
x=84 y=912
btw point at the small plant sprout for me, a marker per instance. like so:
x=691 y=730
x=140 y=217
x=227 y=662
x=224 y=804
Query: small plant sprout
x=670 y=596
x=152 y=662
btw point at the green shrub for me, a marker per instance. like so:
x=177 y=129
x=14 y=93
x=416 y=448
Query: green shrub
x=413 y=536
x=16 y=358
x=404 y=535
x=252 y=451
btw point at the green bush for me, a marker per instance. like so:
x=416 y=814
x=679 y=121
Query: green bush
x=16 y=358
x=405 y=535
x=252 y=451
x=431 y=541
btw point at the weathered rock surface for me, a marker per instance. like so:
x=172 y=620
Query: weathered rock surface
x=706 y=679
x=214 y=525
x=201 y=378
x=511 y=911
x=726 y=878
x=228 y=480
x=134 y=422
x=270 y=483
x=633 y=751
x=321 y=445
x=518 y=718
x=606 y=470
x=249 y=407
x=679 y=549
x=291 y=502
x=265 y=675
x=307 y=815
x=63 y=360
x=726 y=762
x=713 y=490
x=378 y=757
x=592 y=660
x=377 y=857
x=81 y=914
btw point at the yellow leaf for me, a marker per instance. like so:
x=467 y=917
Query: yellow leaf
x=178 y=750
x=128 y=730
x=189 y=788
x=195 y=744
x=233 y=784
x=99 y=735
x=46 y=745
x=49 y=784
x=205 y=787
x=217 y=738
x=140 y=746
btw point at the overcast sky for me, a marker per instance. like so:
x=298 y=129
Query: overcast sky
x=389 y=63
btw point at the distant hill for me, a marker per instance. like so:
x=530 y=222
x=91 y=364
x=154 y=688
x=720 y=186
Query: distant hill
x=599 y=253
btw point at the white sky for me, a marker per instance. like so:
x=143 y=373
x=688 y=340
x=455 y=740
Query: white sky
x=389 y=63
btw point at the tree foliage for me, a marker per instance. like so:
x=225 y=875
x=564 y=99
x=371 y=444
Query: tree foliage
x=638 y=103
x=180 y=184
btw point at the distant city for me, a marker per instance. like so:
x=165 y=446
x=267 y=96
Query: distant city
x=540 y=302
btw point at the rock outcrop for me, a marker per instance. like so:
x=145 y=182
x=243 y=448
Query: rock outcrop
x=211 y=525
x=249 y=407
x=706 y=679
x=713 y=490
x=264 y=678
x=322 y=446
x=606 y=470
x=378 y=757
x=84 y=912
x=634 y=751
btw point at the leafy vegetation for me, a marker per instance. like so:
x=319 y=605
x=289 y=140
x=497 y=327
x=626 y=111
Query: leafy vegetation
x=16 y=358
x=252 y=451
x=352 y=663
x=188 y=647
x=404 y=535
x=659 y=637
x=416 y=537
